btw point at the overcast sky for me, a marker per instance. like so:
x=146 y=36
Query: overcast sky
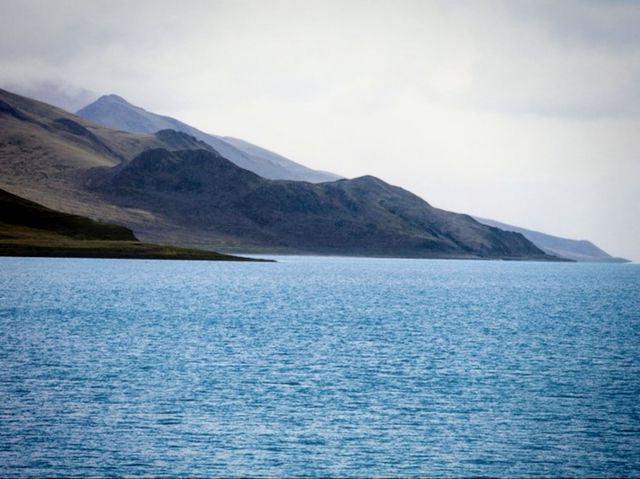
x=522 y=112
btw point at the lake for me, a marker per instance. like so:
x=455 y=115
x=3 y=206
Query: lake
x=318 y=367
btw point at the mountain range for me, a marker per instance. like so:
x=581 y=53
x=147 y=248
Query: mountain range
x=171 y=187
x=115 y=112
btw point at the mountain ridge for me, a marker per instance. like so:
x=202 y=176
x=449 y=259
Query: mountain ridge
x=576 y=250
x=45 y=160
x=359 y=216
x=171 y=188
x=114 y=111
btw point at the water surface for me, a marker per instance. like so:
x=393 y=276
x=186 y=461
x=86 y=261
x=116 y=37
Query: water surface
x=318 y=367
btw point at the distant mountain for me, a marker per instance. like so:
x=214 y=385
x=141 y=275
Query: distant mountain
x=169 y=187
x=576 y=250
x=115 y=112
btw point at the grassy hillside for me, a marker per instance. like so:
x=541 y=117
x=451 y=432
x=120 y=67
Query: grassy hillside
x=29 y=229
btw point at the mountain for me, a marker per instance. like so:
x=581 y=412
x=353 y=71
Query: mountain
x=364 y=216
x=169 y=187
x=45 y=153
x=115 y=112
x=30 y=229
x=576 y=250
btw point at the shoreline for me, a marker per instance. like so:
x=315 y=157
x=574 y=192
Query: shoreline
x=119 y=250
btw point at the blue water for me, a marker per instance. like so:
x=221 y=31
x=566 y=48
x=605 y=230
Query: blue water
x=318 y=367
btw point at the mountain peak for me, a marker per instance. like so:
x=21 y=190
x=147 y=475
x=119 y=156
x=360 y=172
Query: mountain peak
x=112 y=98
x=368 y=179
x=115 y=112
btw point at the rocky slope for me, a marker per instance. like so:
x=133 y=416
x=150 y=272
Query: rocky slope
x=202 y=191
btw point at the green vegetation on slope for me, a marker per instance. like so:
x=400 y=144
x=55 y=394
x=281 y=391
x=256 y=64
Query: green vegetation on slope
x=30 y=229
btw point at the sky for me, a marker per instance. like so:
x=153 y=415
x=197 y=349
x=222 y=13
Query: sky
x=525 y=112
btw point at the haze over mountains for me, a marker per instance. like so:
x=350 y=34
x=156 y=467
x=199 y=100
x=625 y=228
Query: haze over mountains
x=115 y=112
x=576 y=250
x=173 y=188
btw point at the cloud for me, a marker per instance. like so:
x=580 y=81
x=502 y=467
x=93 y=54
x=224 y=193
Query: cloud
x=576 y=59
x=569 y=59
